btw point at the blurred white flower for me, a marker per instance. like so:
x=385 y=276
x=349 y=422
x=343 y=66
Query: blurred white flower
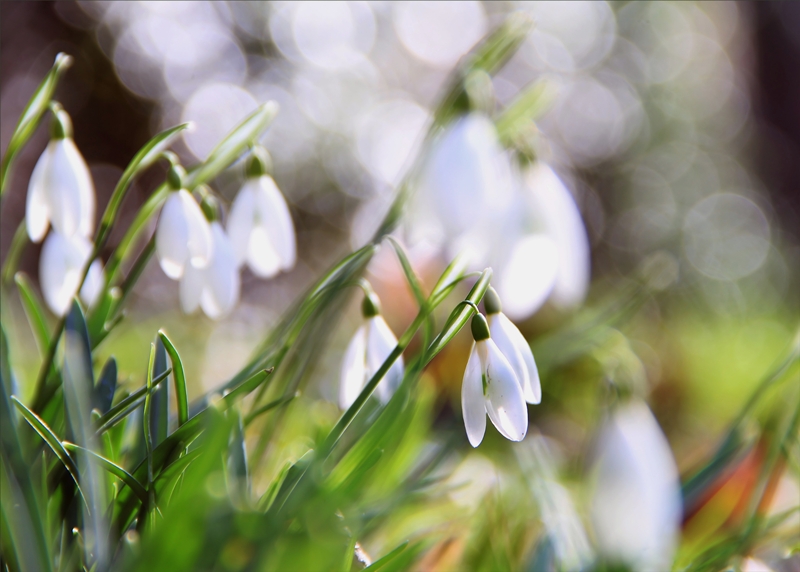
x=60 y=191
x=183 y=236
x=491 y=386
x=467 y=174
x=514 y=347
x=366 y=352
x=636 y=508
x=550 y=259
x=259 y=225
x=60 y=270
x=215 y=287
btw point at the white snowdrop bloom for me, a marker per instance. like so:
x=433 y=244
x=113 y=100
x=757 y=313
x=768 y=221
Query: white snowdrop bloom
x=491 y=386
x=636 y=507
x=60 y=191
x=513 y=345
x=215 y=287
x=60 y=270
x=183 y=236
x=259 y=225
x=366 y=352
x=561 y=220
x=466 y=174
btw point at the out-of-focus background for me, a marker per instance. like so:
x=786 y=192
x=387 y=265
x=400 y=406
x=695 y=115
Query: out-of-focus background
x=675 y=125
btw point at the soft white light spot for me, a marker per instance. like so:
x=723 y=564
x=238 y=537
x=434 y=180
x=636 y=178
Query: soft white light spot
x=388 y=136
x=527 y=278
x=726 y=236
x=439 y=33
x=216 y=109
x=331 y=34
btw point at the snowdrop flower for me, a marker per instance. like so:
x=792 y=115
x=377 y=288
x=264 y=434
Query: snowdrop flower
x=60 y=191
x=215 y=287
x=467 y=173
x=514 y=347
x=61 y=267
x=183 y=236
x=552 y=263
x=636 y=508
x=369 y=348
x=259 y=225
x=491 y=386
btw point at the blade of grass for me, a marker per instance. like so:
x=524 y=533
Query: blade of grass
x=125 y=407
x=181 y=393
x=52 y=441
x=112 y=468
x=18 y=244
x=34 y=311
x=384 y=560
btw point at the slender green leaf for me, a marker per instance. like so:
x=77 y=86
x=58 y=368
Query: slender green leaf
x=20 y=508
x=268 y=407
x=159 y=418
x=384 y=560
x=52 y=441
x=106 y=387
x=18 y=244
x=528 y=105
x=34 y=312
x=125 y=407
x=147 y=417
x=145 y=157
x=112 y=468
x=460 y=315
x=233 y=145
x=31 y=116
x=179 y=376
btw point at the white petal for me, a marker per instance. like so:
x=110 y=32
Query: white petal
x=62 y=183
x=473 y=403
x=240 y=220
x=274 y=216
x=467 y=168
x=201 y=245
x=222 y=283
x=636 y=507
x=380 y=343
x=528 y=276
x=37 y=212
x=515 y=348
x=191 y=288
x=93 y=285
x=262 y=258
x=505 y=403
x=172 y=238
x=354 y=368
x=85 y=185
x=560 y=215
x=59 y=272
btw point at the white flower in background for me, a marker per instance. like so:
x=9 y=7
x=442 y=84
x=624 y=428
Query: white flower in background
x=513 y=345
x=61 y=267
x=259 y=225
x=554 y=261
x=636 y=507
x=369 y=348
x=215 y=287
x=466 y=174
x=491 y=386
x=60 y=191
x=183 y=236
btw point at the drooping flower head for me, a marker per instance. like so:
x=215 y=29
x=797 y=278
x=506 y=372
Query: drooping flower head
x=513 y=346
x=183 y=236
x=491 y=387
x=368 y=349
x=60 y=191
x=61 y=267
x=636 y=508
x=216 y=286
x=259 y=225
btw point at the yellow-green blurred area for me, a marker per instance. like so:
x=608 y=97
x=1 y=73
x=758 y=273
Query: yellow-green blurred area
x=675 y=126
